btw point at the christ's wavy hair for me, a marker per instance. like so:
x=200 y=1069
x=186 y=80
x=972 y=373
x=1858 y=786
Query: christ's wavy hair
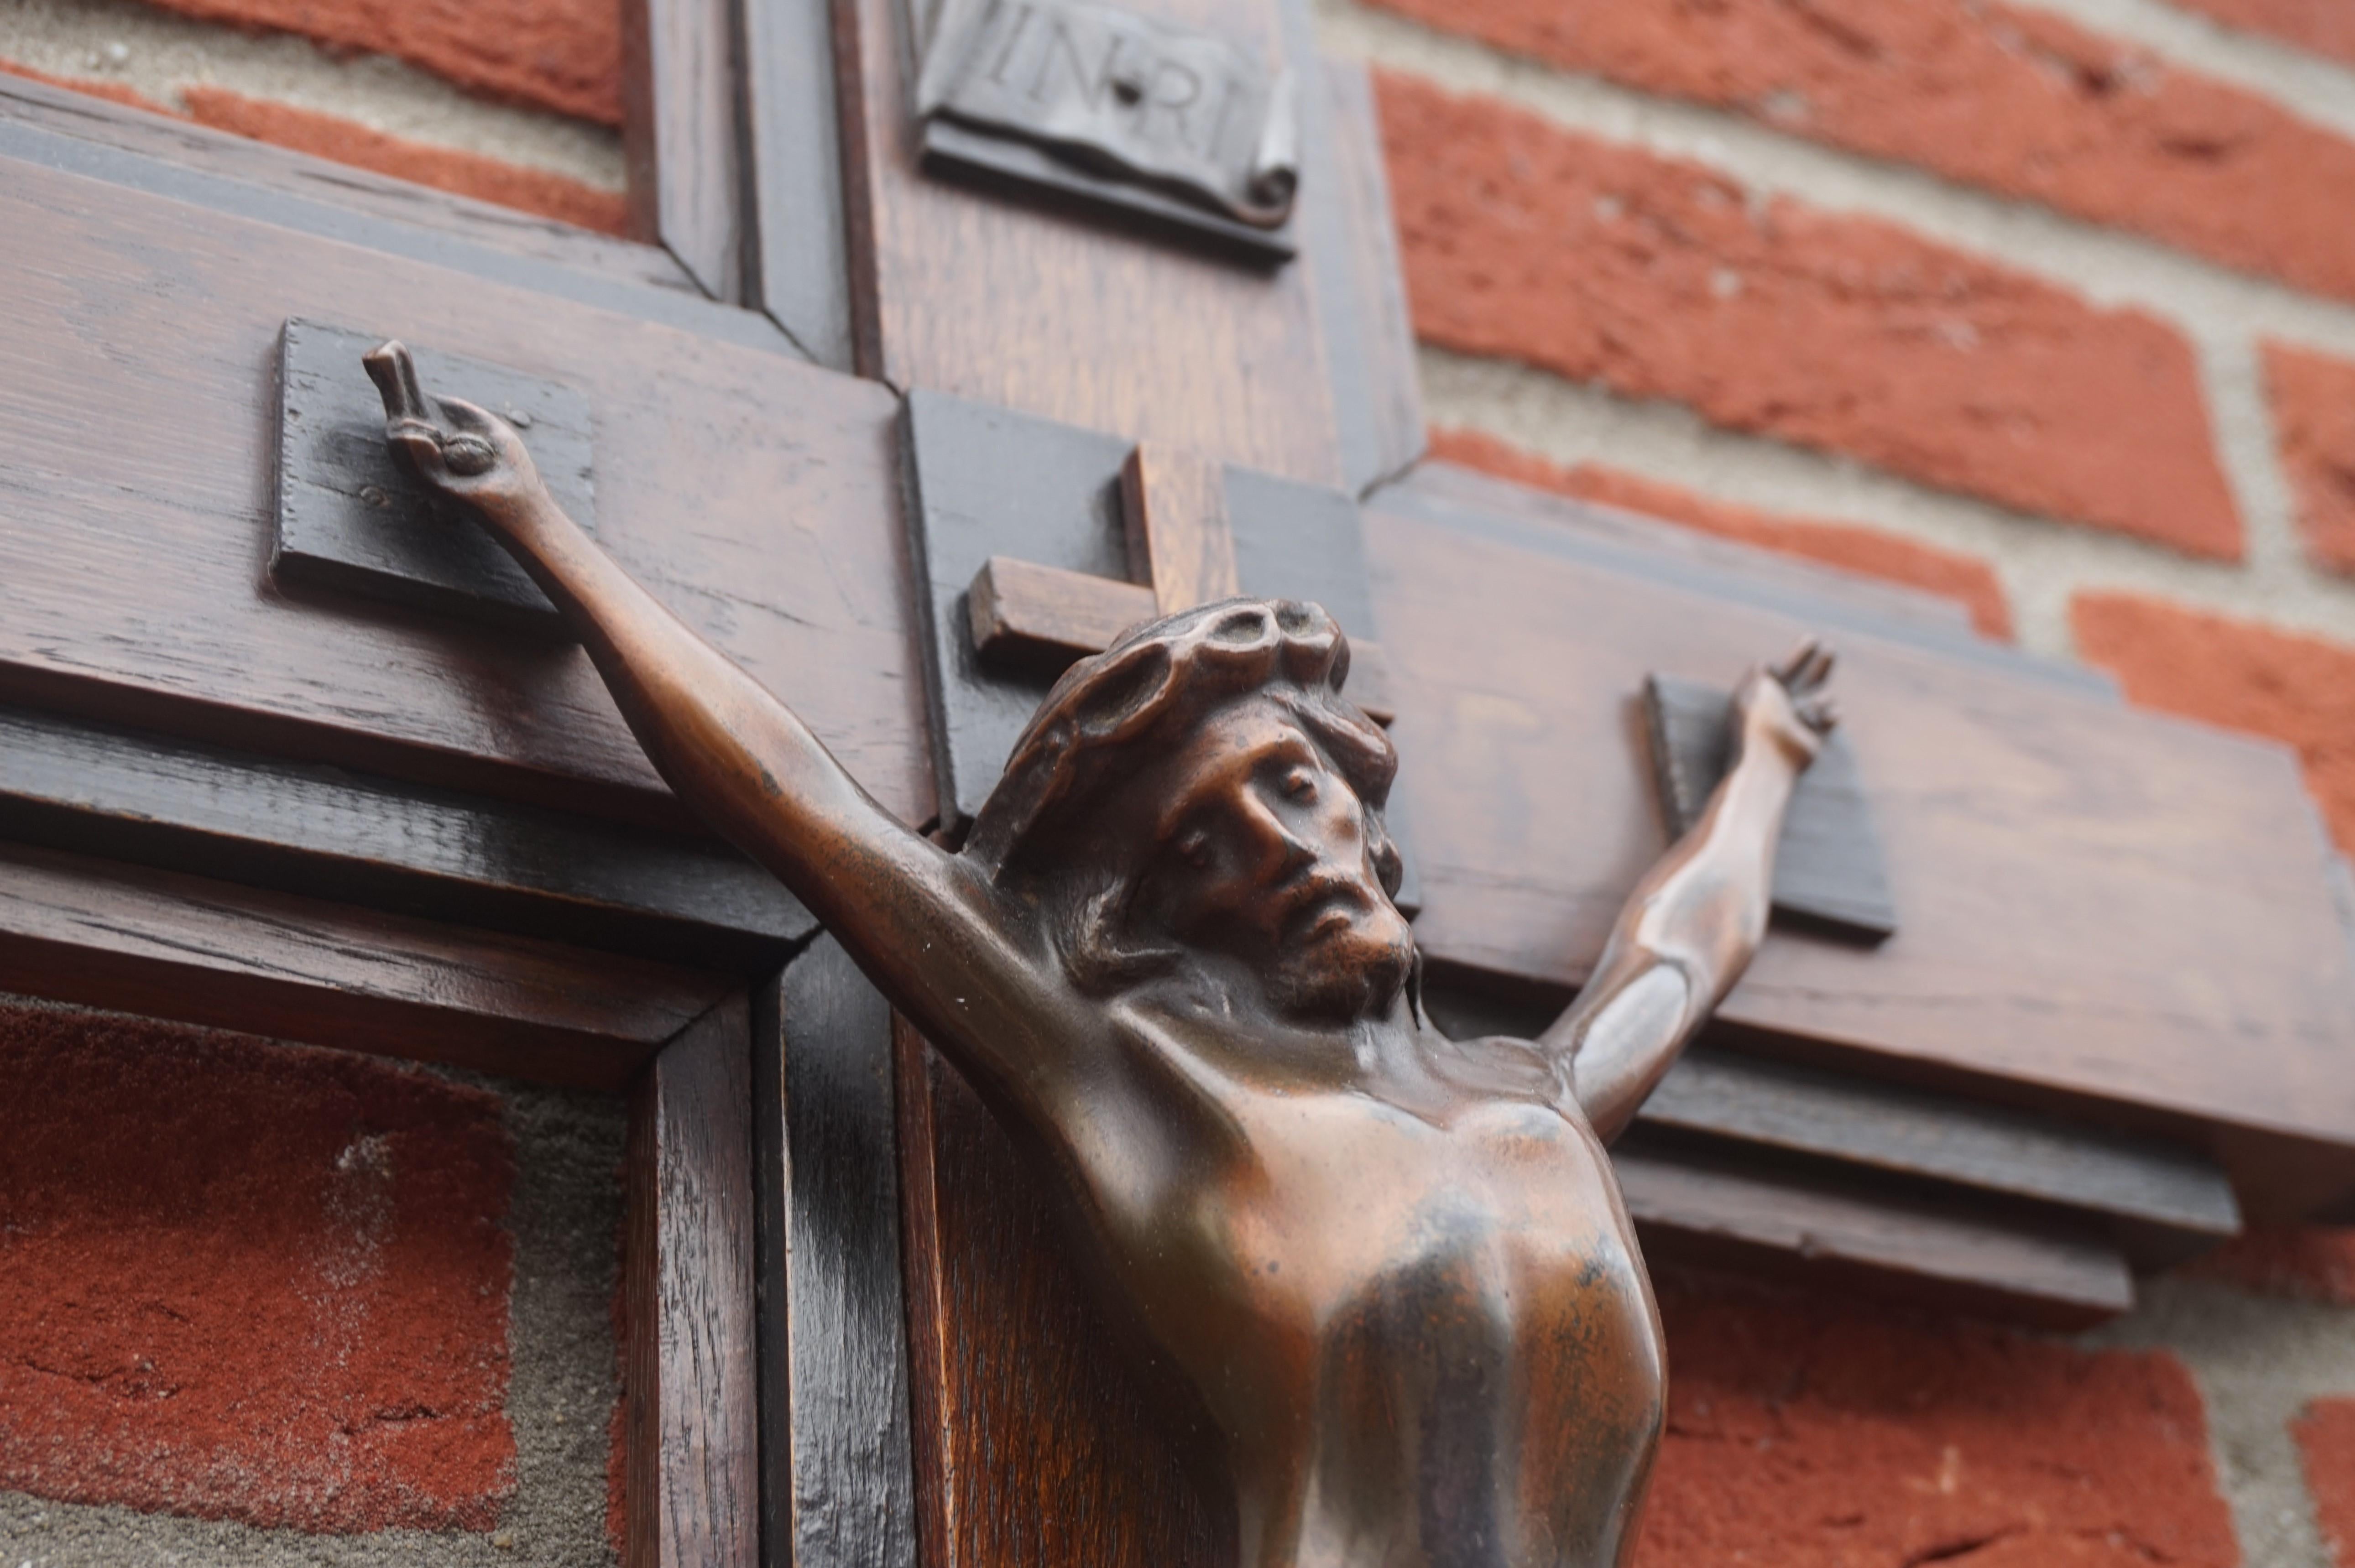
x=1111 y=713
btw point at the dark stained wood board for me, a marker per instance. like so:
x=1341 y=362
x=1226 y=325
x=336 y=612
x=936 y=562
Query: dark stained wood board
x=837 y=1489
x=196 y=161
x=1360 y=288
x=2102 y=906
x=1827 y=866
x=1036 y=1438
x=351 y=518
x=793 y=196
x=690 y=1410
x=988 y=482
x=1957 y=1255
x=100 y=934
x=76 y=134
x=753 y=494
x=334 y=833
x=1028 y=304
x=2160 y=1202
x=680 y=91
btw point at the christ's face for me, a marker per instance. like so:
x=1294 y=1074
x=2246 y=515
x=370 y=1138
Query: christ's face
x=1262 y=852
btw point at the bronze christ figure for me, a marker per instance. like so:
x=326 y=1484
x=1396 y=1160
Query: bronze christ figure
x=1393 y=1266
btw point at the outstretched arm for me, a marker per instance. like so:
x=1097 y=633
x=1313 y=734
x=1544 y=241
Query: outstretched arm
x=925 y=926
x=1692 y=925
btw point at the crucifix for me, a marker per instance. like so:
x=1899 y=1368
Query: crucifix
x=901 y=446
x=1391 y=1268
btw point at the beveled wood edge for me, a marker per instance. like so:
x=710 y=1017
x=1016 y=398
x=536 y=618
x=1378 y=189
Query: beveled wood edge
x=1958 y=1257
x=371 y=843
x=931 y=1413
x=796 y=195
x=1613 y=539
x=97 y=933
x=837 y=1478
x=176 y=160
x=681 y=93
x=1360 y=287
x=692 y=1428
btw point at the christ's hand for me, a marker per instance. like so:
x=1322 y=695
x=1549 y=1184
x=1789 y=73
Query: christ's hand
x=456 y=449
x=1784 y=711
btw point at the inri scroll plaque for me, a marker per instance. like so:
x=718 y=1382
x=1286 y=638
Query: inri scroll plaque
x=1097 y=102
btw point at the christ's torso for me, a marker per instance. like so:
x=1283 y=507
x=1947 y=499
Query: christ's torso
x=1425 y=1332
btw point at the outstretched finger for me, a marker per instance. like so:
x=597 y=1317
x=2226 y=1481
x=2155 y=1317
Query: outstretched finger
x=388 y=365
x=1808 y=666
x=1787 y=672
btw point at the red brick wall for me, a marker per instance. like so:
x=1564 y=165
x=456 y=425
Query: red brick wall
x=1807 y=1432
x=248 y=1281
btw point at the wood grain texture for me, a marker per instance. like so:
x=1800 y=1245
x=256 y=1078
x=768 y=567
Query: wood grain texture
x=2101 y=906
x=1352 y=251
x=1020 y=609
x=1827 y=864
x=351 y=518
x=993 y=482
x=2159 y=1200
x=100 y=934
x=1957 y=1255
x=1174 y=507
x=332 y=833
x=1034 y=306
x=793 y=143
x=1039 y=1440
x=680 y=103
x=754 y=494
x=192 y=163
x=691 y=1421
x=1744 y=573
x=837 y=1486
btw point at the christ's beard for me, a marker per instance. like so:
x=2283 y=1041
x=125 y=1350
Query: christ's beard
x=1355 y=975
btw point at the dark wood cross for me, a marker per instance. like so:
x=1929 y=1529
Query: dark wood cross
x=1181 y=553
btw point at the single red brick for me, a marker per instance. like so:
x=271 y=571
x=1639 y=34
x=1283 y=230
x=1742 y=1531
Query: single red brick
x=2305 y=1262
x=465 y=174
x=560 y=55
x=1660 y=279
x=2013 y=100
x=2326 y=26
x=112 y=92
x=249 y=1281
x=1849 y=545
x=2313 y=398
x=2296 y=689
x=2325 y=1442
x=1814 y=1433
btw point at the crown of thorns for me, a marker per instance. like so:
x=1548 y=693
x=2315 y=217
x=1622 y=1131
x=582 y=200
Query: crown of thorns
x=1110 y=713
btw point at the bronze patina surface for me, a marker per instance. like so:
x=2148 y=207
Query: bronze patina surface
x=1393 y=1268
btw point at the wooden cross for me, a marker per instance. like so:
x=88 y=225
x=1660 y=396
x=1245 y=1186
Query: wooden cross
x=1181 y=553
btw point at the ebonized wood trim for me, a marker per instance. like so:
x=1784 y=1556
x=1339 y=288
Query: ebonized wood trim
x=100 y=934
x=691 y=1424
x=681 y=109
x=332 y=833
x=794 y=186
x=838 y=1490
